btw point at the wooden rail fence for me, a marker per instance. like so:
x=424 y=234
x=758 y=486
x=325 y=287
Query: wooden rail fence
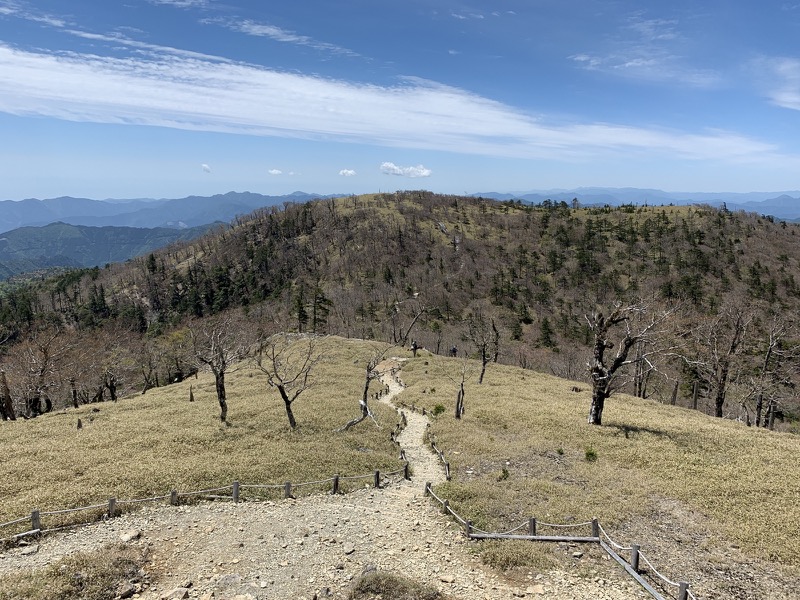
x=531 y=527
x=233 y=492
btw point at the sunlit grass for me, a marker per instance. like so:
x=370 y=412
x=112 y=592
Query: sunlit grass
x=744 y=481
x=148 y=445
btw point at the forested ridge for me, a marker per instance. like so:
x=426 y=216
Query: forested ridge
x=499 y=280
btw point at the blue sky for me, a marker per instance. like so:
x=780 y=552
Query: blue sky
x=166 y=98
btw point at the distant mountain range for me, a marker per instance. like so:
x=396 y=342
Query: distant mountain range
x=181 y=213
x=783 y=205
x=79 y=232
x=59 y=245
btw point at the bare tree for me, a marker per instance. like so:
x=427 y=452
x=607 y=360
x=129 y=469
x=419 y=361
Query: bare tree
x=719 y=341
x=287 y=365
x=638 y=326
x=217 y=345
x=485 y=336
x=402 y=325
x=464 y=374
x=371 y=373
x=775 y=369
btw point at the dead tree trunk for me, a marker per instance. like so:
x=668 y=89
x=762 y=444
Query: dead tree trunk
x=460 y=401
x=8 y=403
x=219 y=385
x=287 y=402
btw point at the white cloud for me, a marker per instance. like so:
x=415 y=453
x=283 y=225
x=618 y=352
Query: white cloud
x=280 y=35
x=182 y=3
x=389 y=168
x=205 y=168
x=169 y=87
x=648 y=50
x=780 y=76
x=275 y=172
x=347 y=172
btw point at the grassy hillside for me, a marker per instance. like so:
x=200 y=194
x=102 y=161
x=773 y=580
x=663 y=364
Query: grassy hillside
x=701 y=495
x=145 y=446
x=709 y=500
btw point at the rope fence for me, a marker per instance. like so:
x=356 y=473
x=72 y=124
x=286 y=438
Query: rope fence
x=111 y=508
x=598 y=535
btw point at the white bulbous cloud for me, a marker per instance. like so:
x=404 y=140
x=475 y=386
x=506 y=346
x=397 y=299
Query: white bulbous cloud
x=275 y=172
x=205 y=168
x=389 y=168
x=347 y=172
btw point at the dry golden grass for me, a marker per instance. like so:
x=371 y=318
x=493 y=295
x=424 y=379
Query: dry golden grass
x=87 y=575
x=745 y=483
x=148 y=445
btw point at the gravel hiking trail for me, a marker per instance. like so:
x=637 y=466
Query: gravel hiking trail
x=317 y=546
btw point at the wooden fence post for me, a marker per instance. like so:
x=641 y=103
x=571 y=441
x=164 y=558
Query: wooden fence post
x=36 y=522
x=377 y=479
x=595 y=528
x=468 y=528
x=447 y=471
x=112 y=508
x=635 y=557
x=683 y=590
x=445 y=506
x=235 y=492
x=287 y=490
x=335 y=485
x=427 y=488
x=532 y=527
x=406 y=474
x=173 y=497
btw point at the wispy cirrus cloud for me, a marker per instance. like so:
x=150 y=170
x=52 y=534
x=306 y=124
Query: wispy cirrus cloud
x=279 y=34
x=647 y=50
x=182 y=3
x=184 y=90
x=780 y=80
x=20 y=10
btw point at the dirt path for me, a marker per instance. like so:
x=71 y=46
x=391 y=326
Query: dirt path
x=317 y=545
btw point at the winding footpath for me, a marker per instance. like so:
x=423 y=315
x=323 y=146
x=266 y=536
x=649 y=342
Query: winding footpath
x=316 y=546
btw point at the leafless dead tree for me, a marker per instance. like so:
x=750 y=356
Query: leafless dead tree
x=287 y=365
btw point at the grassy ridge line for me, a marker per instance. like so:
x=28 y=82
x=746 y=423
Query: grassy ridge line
x=743 y=482
x=147 y=445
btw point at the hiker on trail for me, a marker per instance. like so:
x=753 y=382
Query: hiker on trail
x=453 y=351
x=414 y=348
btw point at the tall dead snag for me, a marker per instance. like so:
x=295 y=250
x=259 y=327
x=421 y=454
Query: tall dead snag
x=460 y=394
x=371 y=373
x=216 y=346
x=287 y=365
x=638 y=328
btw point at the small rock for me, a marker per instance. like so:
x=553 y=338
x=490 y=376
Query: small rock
x=447 y=579
x=577 y=555
x=130 y=535
x=348 y=548
x=177 y=594
x=126 y=590
x=28 y=551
